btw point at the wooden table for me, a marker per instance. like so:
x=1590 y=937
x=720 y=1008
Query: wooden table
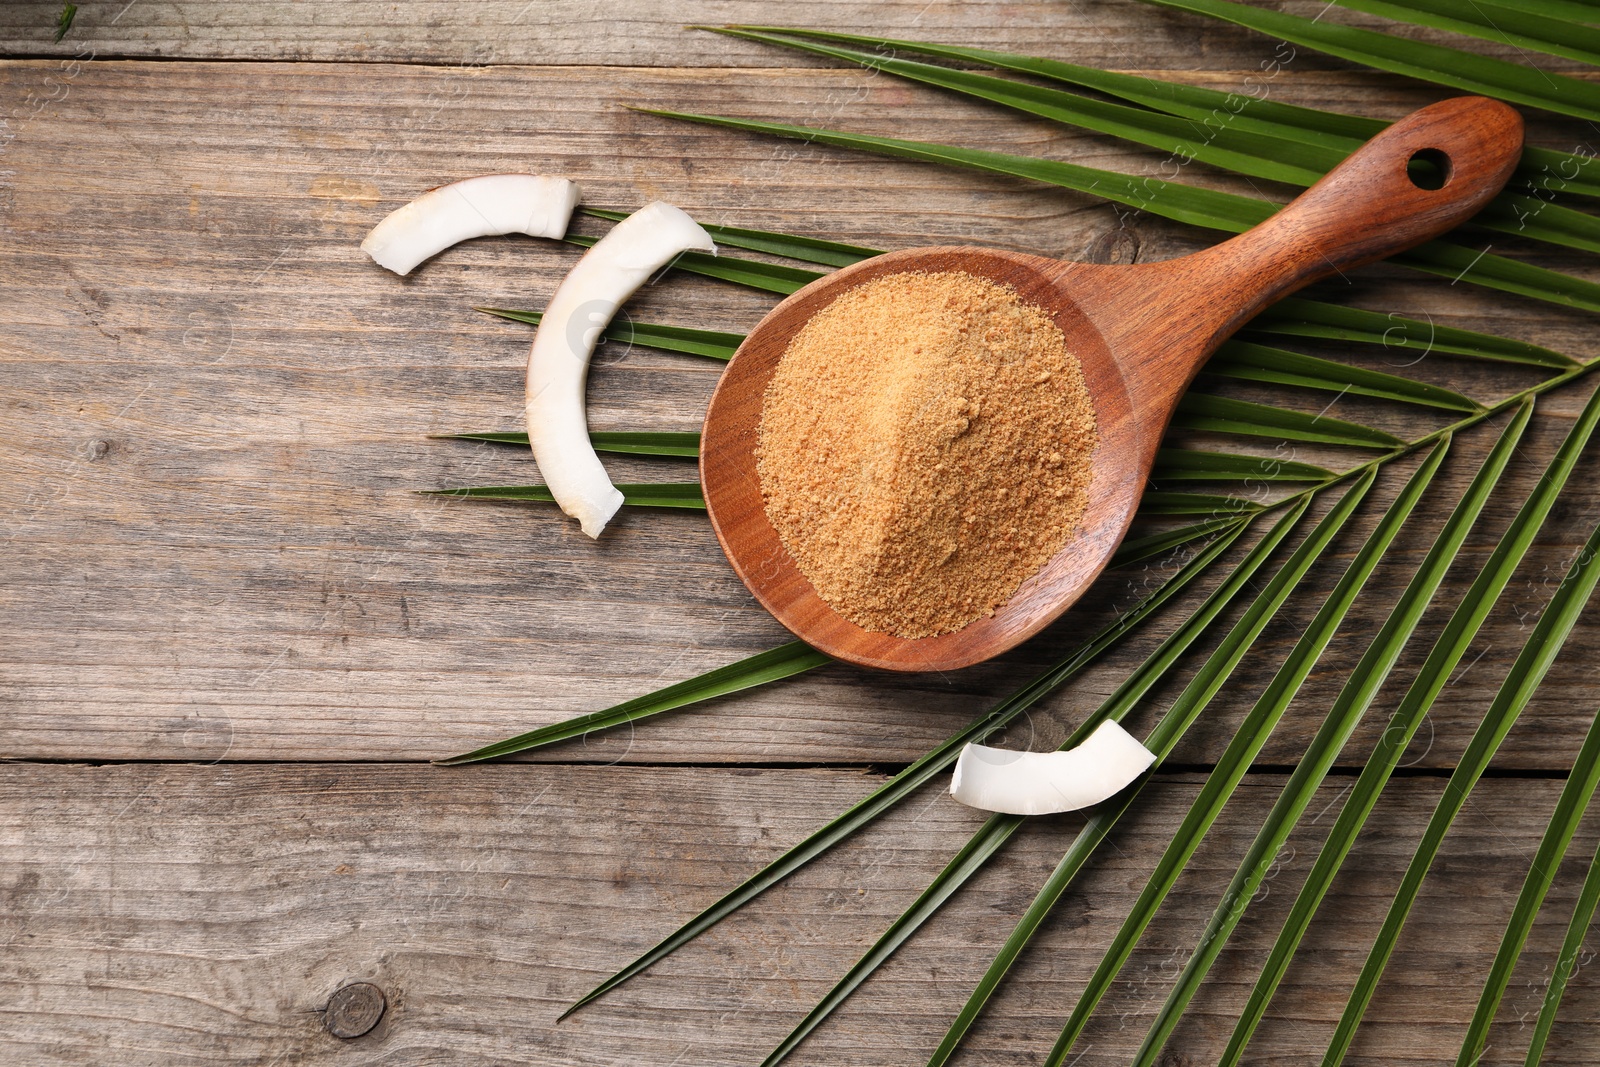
x=236 y=636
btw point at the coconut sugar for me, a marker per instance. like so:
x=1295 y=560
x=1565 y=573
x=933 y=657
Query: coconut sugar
x=924 y=449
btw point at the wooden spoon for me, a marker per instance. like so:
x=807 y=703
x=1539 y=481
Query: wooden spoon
x=1141 y=333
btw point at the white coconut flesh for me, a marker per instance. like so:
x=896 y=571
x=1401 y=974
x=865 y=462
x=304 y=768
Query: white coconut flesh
x=485 y=206
x=558 y=363
x=1042 y=783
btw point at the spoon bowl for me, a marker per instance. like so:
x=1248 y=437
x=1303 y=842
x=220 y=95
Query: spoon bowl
x=1139 y=332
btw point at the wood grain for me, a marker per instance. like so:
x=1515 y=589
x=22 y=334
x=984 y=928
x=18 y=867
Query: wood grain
x=214 y=411
x=1115 y=33
x=188 y=915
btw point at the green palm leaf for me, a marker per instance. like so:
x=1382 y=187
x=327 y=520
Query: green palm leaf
x=1416 y=59
x=1570 y=807
x=1278 y=155
x=1221 y=414
x=1241 y=752
x=1189 y=465
x=1247 y=740
x=1137 y=549
x=640 y=443
x=1208 y=680
x=637 y=494
x=1348 y=708
x=999 y=829
x=1245 y=152
x=1296 y=317
x=1172 y=464
x=1317 y=127
x=1582 y=12
x=1567 y=960
x=1459 y=263
x=1542 y=171
x=712 y=343
x=1549 y=634
x=769 y=277
x=1540 y=220
x=898 y=788
x=785 y=661
x=966 y=863
x=1158 y=502
x=1261 y=363
x=1181 y=203
x=805 y=249
x=1442 y=660
x=1542 y=32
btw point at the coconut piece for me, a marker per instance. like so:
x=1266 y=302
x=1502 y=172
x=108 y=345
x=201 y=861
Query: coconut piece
x=484 y=206
x=558 y=362
x=1040 y=783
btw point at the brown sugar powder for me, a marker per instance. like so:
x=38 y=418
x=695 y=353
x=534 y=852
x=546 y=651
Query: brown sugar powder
x=924 y=449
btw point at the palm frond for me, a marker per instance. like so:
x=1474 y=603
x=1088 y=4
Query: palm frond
x=1570 y=807
x=1158 y=502
x=755 y=273
x=1207 y=208
x=1297 y=317
x=1542 y=171
x=900 y=787
x=969 y=861
x=1222 y=414
x=1527 y=671
x=1275 y=154
x=1524 y=27
x=715 y=344
x=1182 y=203
x=635 y=494
x=785 y=661
x=1189 y=465
x=1174 y=98
x=790 y=245
x=1435 y=673
x=1137 y=549
x=1263 y=363
x=1242 y=151
x=994 y=833
x=1416 y=59
x=1348 y=707
x=1252 y=733
x=1260 y=139
x=632 y=442
x=1566 y=960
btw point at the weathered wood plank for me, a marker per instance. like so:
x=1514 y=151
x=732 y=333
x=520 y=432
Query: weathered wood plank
x=215 y=407
x=168 y=914
x=639 y=33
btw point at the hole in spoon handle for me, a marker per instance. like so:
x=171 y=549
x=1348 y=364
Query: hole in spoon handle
x=1422 y=176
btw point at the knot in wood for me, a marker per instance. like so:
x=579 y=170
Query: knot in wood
x=354 y=1010
x=1119 y=246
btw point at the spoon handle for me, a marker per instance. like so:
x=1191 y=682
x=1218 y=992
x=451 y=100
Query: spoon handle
x=1424 y=175
x=1377 y=202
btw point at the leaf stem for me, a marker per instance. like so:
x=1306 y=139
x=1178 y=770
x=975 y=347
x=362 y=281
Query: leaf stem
x=1434 y=436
